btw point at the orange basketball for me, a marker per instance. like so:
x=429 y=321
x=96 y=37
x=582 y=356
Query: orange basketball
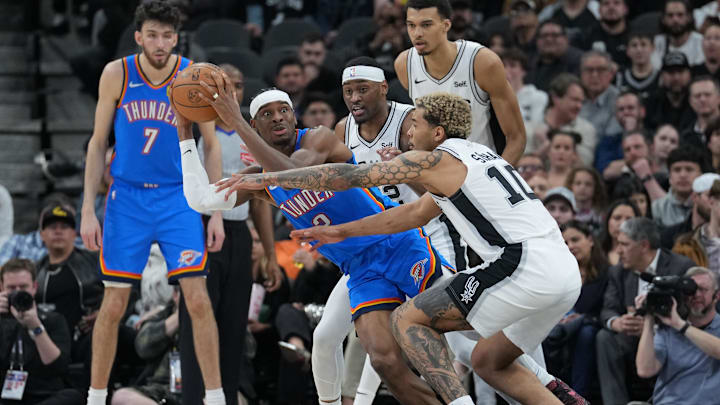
x=186 y=89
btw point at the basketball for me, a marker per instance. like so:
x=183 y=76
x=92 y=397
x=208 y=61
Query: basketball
x=186 y=89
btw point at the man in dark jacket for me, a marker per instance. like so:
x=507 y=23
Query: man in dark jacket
x=640 y=252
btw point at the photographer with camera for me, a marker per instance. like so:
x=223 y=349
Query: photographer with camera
x=683 y=353
x=34 y=345
x=616 y=344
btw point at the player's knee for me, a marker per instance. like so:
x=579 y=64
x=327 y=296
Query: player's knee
x=198 y=304
x=483 y=362
x=385 y=360
x=326 y=338
x=113 y=307
x=123 y=396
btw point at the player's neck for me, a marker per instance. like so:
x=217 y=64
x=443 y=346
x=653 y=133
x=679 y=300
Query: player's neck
x=440 y=61
x=370 y=129
x=154 y=74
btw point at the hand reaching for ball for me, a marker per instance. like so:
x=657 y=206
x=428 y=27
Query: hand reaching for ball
x=225 y=104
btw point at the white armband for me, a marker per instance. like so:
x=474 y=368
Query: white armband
x=199 y=193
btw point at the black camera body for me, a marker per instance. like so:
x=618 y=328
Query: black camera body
x=21 y=300
x=663 y=290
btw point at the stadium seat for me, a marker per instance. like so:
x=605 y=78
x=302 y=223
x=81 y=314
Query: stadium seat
x=288 y=32
x=222 y=33
x=352 y=29
x=499 y=24
x=271 y=57
x=647 y=22
x=396 y=92
x=244 y=59
x=252 y=87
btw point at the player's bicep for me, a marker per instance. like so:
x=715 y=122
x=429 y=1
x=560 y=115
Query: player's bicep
x=340 y=130
x=320 y=146
x=109 y=93
x=401 y=68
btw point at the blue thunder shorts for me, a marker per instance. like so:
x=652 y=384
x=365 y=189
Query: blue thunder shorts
x=383 y=275
x=135 y=217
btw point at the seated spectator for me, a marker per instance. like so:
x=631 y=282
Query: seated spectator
x=684 y=351
x=633 y=190
x=589 y=190
x=570 y=346
x=596 y=73
x=685 y=164
x=554 y=55
x=641 y=77
x=157 y=343
x=712 y=134
x=637 y=164
x=618 y=212
x=560 y=203
x=539 y=184
x=532 y=101
x=577 y=18
x=611 y=34
x=629 y=113
x=705 y=102
x=317 y=111
x=529 y=165
x=566 y=97
x=312 y=54
x=702 y=240
x=617 y=343
x=677 y=34
x=390 y=38
x=670 y=102
x=463 y=24
x=524 y=25
x=39 y=339
x=562 y=156
x=665 y=140
x=6 y=215
x=290 y=78
x=711 y=50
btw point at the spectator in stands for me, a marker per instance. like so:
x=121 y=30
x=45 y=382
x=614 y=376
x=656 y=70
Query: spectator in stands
x=629 y=114
x=562 y=156
x=34 y=341
x=588 y=188
x=577 y=18
x=596 y=73
x=390 y=38
x=539 y=184
x=641 y=76
x=665 y=140
x=498 y=43
x=705 y=102
x=677 y=34
x=712 y=134
x=634 y=191
x=554 y=55
x=640 y=252
x=463 y=24
x=638 y=163
x=685 y=164
x=317 y=111
x=684 y=353
x=529 y=165
x=566 y=97
x=611 y=34
x=312 y=53
x=290 y=78
x=6 y=215
x=560 y=203
x=700 y=14
x=524 y=25
x=573 y=339
x=532 y=101
x=157 y=343
x=618 y=212
x=670 y=103
x=711 y=50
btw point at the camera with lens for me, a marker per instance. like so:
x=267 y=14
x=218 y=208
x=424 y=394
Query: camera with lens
x=20 y=300
x=663 y=289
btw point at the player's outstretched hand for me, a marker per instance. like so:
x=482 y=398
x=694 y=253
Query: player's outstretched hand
x=225 y=104
x=90 y=232
x=240 y=182
x=215 y=232
x=323 y=235
x=182 y=122
x=389 y=153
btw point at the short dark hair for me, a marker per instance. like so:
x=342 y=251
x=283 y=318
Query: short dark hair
x=443 y=6
x=16 y=266
x=516 y=55
x=312 y=37
x=577 y=138
x=705 y=78
x=640 y=34
x=157 y=10
x=712 y=127
x=561 y=83
x=289 y=61
x=630 y=92
x=640 y=132
x=553 y=21
x=312 y=98
x=689 y=153
x=363 y=61
x=715 y=189
x=685 y=3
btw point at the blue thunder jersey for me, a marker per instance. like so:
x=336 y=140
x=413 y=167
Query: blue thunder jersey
x=146 y=143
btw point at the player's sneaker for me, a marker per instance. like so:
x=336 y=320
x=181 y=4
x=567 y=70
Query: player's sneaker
x=565 y=394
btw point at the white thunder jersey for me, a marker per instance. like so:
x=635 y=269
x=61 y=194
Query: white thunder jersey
x=366 y=152
x=494 y=207
x=460 y=80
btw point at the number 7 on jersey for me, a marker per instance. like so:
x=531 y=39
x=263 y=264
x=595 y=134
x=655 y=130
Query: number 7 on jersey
x=151 y=135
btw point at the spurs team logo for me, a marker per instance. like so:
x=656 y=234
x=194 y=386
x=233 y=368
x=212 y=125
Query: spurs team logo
x=471 y=286
x=188 y=257
x=418 y=271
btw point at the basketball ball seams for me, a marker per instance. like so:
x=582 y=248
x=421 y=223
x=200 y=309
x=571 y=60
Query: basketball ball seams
x=186 y=90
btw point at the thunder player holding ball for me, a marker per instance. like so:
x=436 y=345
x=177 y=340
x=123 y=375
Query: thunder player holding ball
x=145 y=202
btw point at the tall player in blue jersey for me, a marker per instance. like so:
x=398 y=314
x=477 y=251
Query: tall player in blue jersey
x=145 y=203
x=383 y=269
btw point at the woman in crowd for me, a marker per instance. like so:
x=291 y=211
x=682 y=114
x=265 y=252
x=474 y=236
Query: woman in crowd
x=712 y=135
x=562 y=156
x=618 y=212
x=590 y=196
x=665 y=139
x=634 y=191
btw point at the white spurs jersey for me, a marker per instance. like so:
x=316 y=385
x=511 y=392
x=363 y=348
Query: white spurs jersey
x=441 y=235
x=460 y=80
x=494 y=207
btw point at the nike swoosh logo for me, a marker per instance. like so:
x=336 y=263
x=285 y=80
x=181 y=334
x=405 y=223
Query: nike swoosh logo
x=272 y=187
x=133 y=85
x=353 y=147
x=187 y=151
x=419 y=81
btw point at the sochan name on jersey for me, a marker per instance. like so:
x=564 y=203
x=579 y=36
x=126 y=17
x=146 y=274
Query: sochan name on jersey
x=483 y=157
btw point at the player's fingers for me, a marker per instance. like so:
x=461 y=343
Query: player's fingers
x=209 y=89
x=98 y=239
x=219 y=83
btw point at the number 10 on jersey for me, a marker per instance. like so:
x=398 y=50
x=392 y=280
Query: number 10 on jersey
x=514 y=197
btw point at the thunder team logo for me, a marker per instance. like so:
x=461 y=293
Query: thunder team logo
x=418 y=271
x=188 y=257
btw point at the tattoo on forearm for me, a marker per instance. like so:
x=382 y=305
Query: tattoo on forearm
x=340 y=176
